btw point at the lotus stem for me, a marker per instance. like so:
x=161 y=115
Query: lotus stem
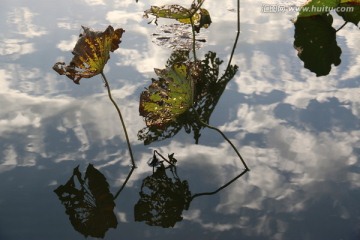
x=121 y=118
x=237 y=36
x=193 y=37
x=124 y=184
x=341 y=27
x=226 y=138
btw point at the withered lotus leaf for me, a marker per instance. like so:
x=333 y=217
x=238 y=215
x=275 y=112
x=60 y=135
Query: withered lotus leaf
x=168 y=97
x=200 y=17
x=91 y=53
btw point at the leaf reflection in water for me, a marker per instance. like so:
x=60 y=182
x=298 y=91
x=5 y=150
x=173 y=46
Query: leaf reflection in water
x=180 y=36
x=164 y=196
x=315 y=41
x=177 y=37
x=315 y=37
x=162 y=199
x=88 y=202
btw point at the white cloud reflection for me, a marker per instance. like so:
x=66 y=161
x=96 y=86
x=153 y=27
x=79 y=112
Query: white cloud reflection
x=94 y=2
x=15 y=47
x=21 y=20
x=68 y=45
x=292 y=163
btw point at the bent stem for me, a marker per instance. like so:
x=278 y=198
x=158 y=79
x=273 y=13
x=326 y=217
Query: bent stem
x=125 y=182
x=227 y=139
x=121 y=118
x=220 y=188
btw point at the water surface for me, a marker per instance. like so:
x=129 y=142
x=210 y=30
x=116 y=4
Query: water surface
x=298 y=133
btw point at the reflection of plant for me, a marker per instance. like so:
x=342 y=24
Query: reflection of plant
x=310 y=34
x=315 y=38
x=162 y=198
x=195 y=16
x=88 y=202
x=91 y=53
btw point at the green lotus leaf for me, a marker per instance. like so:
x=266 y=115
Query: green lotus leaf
x=168 y=97
x=317 y=7
x=350 y=16
x=350 y=1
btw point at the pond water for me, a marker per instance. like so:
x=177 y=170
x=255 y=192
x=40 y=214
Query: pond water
x=298 y=133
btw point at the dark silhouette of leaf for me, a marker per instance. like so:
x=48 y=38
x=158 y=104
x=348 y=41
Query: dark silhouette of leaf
x=162 y=199
x=350 y=16
x=178 y=56
x=315 y=41
x=91 y=53
x=164 y=196
x=88 y=202
x=208 y=88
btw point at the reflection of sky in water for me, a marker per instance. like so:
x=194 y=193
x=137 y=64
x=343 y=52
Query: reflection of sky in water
x=299 y=134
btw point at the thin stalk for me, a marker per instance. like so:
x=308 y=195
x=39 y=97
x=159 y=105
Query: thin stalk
x=228 y=140
x=341 y=27
x=121 y=118
x=198 y=6
x=220 y=188
x=163 y=158
x=191 y=14
x=193 y=37
x=124 y=184
x=238 y=16
x=237 y=34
